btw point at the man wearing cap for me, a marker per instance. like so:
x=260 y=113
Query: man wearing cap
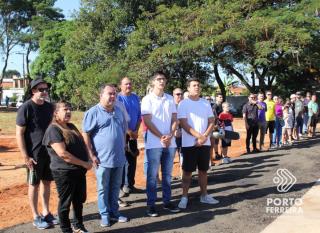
x=33 y=118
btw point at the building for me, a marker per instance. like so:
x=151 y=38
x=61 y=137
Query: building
x=14 y=86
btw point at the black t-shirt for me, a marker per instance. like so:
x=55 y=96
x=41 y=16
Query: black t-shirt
x=217 y=108
x=36 y=118
x=75 y=147
x=251 y=111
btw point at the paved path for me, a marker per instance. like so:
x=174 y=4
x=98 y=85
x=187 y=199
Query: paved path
x=245 y=189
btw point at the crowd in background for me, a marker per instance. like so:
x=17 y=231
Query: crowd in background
x=185 y=124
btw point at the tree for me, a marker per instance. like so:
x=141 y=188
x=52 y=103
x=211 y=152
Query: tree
x=17 y=20
x=11 y=73
x=50 y=63
x=255 y=38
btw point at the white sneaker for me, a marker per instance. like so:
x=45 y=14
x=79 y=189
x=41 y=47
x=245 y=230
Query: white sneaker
x=225 y=160
x=183 y=203
x=208 y=200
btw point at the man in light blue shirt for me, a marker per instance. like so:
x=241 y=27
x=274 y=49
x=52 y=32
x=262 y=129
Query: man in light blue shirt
x=132 y=104
x=313 y=112
x=104 y=128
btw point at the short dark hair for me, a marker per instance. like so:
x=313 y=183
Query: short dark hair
x=103 y=86
x=192 y=80
x=218 y=93
x=158 y=73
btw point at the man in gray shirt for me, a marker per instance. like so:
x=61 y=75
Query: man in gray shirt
x=298 y=113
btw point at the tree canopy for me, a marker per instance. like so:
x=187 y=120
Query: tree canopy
x=263 y=44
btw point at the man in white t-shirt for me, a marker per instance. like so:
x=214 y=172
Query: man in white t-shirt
x=197 y=121
x=160 y=117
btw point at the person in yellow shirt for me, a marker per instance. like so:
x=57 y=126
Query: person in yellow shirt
x=270 y=115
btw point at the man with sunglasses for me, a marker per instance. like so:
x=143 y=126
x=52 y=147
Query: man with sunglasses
x=250 y=116
x=33 y=118
x=270 y=116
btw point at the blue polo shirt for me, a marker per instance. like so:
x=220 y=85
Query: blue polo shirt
x=132 y=104
x=107 y=131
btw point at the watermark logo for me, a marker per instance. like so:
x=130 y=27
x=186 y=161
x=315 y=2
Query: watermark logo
x=284 y=180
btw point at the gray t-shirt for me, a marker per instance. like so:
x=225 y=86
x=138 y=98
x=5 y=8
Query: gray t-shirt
x=298 y=108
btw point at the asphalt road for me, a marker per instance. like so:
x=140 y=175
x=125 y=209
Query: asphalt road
x=244 y=188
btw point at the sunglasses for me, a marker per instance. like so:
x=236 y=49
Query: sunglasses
x=43 y=89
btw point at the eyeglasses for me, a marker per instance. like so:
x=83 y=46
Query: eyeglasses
x=43 y=89
x=178 y=93
x=160 y=79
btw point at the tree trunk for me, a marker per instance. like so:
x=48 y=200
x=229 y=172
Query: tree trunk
x=27 y=61
x=4 y=71
x=219 y=81
x=253 y=78
x=240 y=76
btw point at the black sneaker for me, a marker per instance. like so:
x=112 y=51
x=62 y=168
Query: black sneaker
x=151 y=212
x=50 y=219
x=217 y=156
x=171 y=207
x=256 y=150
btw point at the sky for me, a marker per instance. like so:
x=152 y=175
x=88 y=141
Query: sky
x=15 y=59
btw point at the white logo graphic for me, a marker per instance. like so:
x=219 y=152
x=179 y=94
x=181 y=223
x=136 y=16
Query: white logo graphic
x=284 y=179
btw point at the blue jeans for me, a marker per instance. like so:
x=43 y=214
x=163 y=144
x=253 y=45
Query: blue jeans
x=155 y=157
x=108 y=187
x=277 y=134
x=305 y=122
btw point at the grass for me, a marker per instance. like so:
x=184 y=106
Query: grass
x=8 y=121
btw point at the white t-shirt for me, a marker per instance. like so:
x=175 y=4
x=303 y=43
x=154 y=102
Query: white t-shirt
x=197 y=114
x=161 y=110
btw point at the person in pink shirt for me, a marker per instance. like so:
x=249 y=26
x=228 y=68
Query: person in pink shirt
x=279 y=123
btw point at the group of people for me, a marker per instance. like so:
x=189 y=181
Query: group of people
x=54 y=149
x=286 y=121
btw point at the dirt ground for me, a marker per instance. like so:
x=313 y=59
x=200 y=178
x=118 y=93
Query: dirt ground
x=13 y=189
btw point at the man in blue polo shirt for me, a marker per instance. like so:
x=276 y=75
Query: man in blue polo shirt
x=104 y=128
x=132 y=104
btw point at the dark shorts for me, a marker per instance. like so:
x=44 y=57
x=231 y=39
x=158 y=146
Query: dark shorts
x=179 y=142
x=194 y=157
x=225 y=144
x=41 y=171
x=312 y=121
x=298 y=122
x=270 y=126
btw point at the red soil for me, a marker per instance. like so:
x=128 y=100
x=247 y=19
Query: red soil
x=13 y=188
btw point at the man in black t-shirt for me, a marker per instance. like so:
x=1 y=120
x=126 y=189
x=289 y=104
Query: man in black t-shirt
x=33 y=118
x=250 y=116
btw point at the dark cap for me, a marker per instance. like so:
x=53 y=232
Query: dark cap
x=37 y=81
